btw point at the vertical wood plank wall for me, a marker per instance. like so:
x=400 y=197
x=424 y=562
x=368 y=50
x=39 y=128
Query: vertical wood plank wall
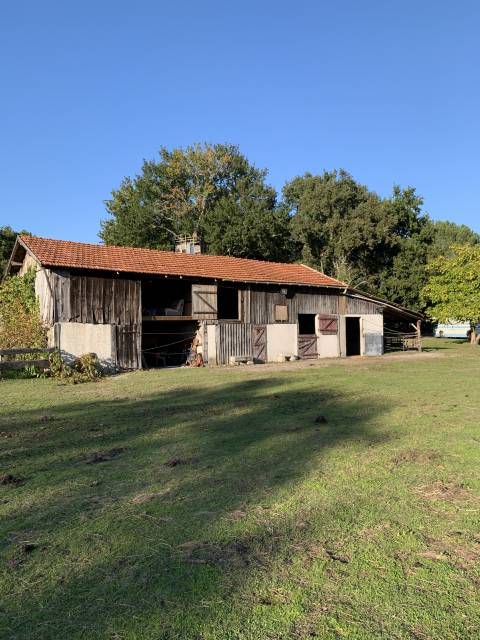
x=97 y=300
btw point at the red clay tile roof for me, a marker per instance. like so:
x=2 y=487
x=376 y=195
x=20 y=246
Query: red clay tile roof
x=79 y=255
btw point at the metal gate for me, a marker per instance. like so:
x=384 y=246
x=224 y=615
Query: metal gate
x=259 y=342
x=307 y=346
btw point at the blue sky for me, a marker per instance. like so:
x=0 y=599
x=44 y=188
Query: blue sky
x=388 y=90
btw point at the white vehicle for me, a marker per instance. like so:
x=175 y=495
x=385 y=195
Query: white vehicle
x=454 y=330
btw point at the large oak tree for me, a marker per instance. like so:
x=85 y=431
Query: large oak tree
x=211 y=190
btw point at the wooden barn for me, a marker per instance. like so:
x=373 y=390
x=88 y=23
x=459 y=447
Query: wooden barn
x=138 y=308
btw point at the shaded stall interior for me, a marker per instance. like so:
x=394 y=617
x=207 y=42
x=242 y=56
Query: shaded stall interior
x=168 y=327
x=400 y=332
x=352 y=336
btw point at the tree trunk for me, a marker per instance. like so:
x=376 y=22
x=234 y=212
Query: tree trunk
x=473 y=336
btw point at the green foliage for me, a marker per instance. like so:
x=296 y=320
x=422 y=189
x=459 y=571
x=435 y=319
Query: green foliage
x=339 y=224
x=446 y=234
x=404 y=275
x=453 y=289
x=85 y=368
x=7 y=242
x=379 y=245
x=190 y=191
x=250 y=225
x=20 y=323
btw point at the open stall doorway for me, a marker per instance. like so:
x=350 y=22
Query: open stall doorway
x=352 y=328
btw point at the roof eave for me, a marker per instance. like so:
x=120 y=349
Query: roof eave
x=52 y=265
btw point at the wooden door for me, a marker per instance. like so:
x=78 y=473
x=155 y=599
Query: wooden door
x=128 y=349
x=204 y=301
x=259 y=342
x=307 y=346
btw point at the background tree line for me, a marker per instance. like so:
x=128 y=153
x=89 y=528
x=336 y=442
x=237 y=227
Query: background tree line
x=328 y=221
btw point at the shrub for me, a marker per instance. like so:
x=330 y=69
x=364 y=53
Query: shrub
x=84 y=369
x=20 y=323
x=87 y=365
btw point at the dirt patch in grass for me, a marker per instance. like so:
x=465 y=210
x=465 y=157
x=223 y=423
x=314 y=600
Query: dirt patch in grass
x=177 y=462
x=440 y=490
x=141 y=498
x=47 y=418
x=236 y=553
x=461 y=553
x=104 y=456
x=414 y=456
x=375 y=531
x=11 y=480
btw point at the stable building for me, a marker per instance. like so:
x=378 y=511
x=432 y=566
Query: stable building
x=139 y=308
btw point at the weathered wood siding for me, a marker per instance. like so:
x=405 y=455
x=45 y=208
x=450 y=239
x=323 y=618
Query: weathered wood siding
x=350 y=305
x=259 y=304
x=204 y=301
x=128 y=346
x=96 y=300
x=233 y=339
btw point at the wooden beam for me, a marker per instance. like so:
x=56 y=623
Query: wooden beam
x=161 y=318
x=20 y=364
x=15 y=352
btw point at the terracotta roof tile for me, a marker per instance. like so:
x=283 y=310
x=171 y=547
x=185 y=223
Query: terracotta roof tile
x=78 y=255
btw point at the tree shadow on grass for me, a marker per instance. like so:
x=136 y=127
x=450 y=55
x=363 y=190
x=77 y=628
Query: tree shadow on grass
x=194 y=503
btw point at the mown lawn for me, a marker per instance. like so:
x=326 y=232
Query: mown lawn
x=210 y=504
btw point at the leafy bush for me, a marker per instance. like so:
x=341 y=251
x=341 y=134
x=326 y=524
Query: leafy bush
x=20 y=323
x=84 y=369
x=87 y=366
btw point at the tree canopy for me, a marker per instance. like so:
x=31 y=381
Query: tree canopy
x=7 y=242
x=453 y=288
x=207 y=189
x=346 y=230
x=446 y=234
x=328 y=221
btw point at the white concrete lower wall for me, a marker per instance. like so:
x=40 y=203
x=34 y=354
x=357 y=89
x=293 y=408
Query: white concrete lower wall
x=212 y=343
x=371 y=328
x=328 y=346
x=76 y=338
x=282 y=339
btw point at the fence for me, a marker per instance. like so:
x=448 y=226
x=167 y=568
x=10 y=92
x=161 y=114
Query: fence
x=42 y=363
x=401 y=342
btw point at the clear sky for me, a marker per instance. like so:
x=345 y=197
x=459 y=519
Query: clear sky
x=388 y=90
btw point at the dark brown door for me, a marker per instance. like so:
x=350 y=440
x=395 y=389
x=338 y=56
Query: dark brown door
x=127 y=346
x=259 y=342
x=307 y=346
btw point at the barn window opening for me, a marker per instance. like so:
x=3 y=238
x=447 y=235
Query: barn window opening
x=168 y=329
x=352 y=328
x=306 y=324
x=165 y=297
x=227 y=301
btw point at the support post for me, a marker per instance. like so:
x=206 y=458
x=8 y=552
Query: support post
x=419 y=334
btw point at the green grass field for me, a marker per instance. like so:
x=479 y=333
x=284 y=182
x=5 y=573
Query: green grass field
x=210 y=504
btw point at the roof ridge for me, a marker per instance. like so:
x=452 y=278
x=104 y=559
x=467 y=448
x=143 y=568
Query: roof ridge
x=98 y=245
